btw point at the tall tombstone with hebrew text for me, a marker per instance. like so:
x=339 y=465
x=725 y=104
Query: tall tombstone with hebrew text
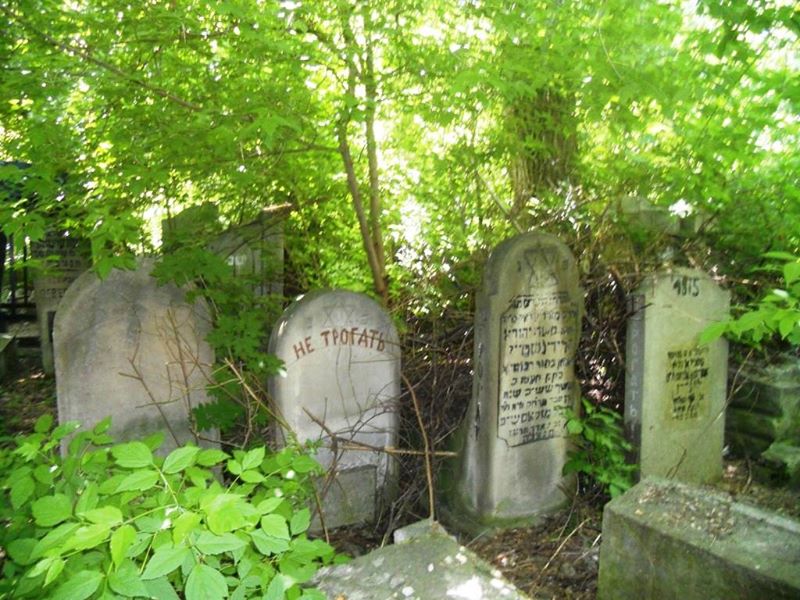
x=675 y=388
x=513 y=443
x=340 y=386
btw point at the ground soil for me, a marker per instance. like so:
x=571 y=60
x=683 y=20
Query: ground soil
x=557 y=559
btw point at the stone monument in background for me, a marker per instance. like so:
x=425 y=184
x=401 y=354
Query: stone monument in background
x=341 y=385
x=675 y=389
x=254 y=250
x=134 y=350
x=513 y=443
x=70 y=257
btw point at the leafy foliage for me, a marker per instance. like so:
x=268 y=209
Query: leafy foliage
x=776 y=315
x=601 y=449
x=115 y=520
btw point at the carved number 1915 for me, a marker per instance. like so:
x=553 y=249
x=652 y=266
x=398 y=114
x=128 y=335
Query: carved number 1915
x=687 y=286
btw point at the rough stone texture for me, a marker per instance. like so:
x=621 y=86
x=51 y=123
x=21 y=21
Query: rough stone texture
x=763 y=420
x=51 y=285
x=342 y=369
x=110 y=333
x=665 y=540
x=675 y=390
x=427 y=565
x=513 y=442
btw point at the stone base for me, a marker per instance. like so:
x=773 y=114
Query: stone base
x=668 y=540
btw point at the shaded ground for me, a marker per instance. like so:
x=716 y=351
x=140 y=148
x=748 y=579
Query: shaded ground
x=557 y=559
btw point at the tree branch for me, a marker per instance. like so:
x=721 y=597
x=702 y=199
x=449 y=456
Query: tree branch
x=73 y=50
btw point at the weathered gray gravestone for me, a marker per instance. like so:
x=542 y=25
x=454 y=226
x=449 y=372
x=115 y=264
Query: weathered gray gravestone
x=50 y=285
x=341 y=384
x=514 y=438
x=675 y=389
x=134 y=350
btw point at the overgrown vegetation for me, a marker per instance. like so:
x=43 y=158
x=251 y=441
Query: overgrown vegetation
x=403 y=140
x=114 y=519
x=601 y=449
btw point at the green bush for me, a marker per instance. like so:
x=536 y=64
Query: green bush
x=776 y=315
x=115 y=521
x=601 y=449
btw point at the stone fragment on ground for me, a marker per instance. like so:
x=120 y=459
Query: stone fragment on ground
x=425 y=563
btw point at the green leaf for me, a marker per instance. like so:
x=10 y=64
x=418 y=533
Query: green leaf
x=253 y=458
x=180 y=458
x=788 y=323
x=275 y=525
x=208 y=543
x=102 y=426
x=184 y=525
x=126 y=581
x=138 y=481
x=55 y=569
x=88 y=498
x=51 y=510
x=161 y=589
x=132 y=455
x=210 y=457
x=165 y=560
x=205 y=583
x=88 y=536
x=21 y=491
x=276 y=588
x=55 y=537
x=107 y=515
x=121 y=540
x=43 y=423
x=304 y=464
x=712 y=332
x=267 y=544
x=574 y=427
x=791 y=272
x=80 y=586
x=300 y=521
x=224 y=513
x=21 y=550
x=252 y=476
x=269 y=505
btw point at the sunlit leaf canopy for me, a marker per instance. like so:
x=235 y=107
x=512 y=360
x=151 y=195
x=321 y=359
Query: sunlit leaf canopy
x=464 y=120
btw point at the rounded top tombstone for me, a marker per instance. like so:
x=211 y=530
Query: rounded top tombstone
x=130 y=348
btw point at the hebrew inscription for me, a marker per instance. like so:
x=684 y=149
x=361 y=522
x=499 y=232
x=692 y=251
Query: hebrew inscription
x=687 y=381
x=537 y=380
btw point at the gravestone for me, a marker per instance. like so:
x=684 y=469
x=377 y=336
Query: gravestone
x=675 y=389
x=514 y=441
x=71 y=258
x=134 y=350
x=665 y=539
x=254 y=250
x=342 y=380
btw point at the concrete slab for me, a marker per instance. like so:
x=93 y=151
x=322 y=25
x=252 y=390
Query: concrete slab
x=665 y=540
